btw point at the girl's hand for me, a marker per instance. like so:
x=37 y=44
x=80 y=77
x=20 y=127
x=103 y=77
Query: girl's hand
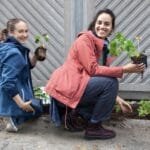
x=133 y=68
x=40 y=53
x=27 y=107
x=125 y=106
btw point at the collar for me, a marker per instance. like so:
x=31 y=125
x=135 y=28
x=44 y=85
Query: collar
x=16 y=43
x=99 y=43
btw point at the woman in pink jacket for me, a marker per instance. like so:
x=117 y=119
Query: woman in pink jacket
x=85 y=86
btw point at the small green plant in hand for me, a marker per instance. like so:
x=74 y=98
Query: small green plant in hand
x=41 y=39
x=40 y=51
x=120 y=43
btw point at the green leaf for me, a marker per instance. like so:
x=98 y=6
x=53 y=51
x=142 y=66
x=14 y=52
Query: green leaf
x=41 y=38
x=46 y=37
x=37 y=39
x=144 y=108
x=38 y=93
x=119 y=44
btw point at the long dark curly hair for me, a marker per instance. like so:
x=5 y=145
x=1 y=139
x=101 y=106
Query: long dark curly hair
x=107 y=11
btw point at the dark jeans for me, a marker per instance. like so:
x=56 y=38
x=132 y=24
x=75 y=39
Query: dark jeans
x=98 y=99
x=25 y=116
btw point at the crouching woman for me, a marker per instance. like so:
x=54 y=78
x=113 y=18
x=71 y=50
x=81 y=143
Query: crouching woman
x=17 y=101
x=85 y=86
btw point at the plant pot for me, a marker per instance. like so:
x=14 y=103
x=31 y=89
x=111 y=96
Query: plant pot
x=142 y=58
x=40 y=53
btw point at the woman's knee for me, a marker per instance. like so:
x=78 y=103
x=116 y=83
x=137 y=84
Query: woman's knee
x=114 y=83
x=110 y=82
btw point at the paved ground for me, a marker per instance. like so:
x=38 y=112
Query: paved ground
x=42 y=135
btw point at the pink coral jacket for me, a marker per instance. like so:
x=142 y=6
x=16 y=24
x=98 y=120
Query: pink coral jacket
x=67 y=83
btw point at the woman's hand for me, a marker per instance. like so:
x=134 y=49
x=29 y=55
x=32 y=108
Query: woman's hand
x=40 y=53
x=23 y=105
x=133 y=68
x=27 y=107
x=125 y=106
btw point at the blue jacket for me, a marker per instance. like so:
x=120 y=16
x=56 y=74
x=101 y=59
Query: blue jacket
x=15 y=77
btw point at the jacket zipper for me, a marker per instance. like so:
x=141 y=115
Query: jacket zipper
x=22 y=94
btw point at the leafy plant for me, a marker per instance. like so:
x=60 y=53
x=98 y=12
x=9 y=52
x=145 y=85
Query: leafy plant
x=41 y=39
x=144 y=108
x=120 y=43
x=117 y=108
x=39 y=93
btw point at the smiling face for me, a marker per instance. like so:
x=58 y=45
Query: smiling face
x=20 y=32
x=103 y=25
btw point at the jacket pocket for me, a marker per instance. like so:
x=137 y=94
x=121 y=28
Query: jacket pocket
x=67 y=83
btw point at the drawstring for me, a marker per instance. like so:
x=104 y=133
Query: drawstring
x=66 y=112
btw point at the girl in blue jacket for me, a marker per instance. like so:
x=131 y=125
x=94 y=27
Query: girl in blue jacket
x=17 y=101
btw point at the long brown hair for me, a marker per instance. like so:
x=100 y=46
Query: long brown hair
x=4 y=34
x=11 y=24
x=107 y=11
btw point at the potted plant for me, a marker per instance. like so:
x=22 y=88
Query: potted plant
x=40 y=94
x=121 y=44
x=40 y=51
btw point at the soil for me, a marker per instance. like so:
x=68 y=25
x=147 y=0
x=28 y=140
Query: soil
x=134 y=115
x=140 y=59
x=121 y=116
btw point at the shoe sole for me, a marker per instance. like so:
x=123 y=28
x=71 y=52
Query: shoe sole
x=98 y=137
x=11 y=127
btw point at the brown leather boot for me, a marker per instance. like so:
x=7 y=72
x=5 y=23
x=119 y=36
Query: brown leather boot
x=97 y=131
x=74 y=122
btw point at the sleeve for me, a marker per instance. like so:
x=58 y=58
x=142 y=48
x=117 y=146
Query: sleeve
x=13 y=63
x=87 y=57
x=31 y=66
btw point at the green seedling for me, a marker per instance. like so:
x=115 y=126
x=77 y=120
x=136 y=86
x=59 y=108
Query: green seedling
x=41 y=39
x=121 y=44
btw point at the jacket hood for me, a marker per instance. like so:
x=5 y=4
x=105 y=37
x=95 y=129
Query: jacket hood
x=11 y=42
x=99 y=43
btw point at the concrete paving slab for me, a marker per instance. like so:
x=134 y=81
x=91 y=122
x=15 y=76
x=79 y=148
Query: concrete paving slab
x=42 y=135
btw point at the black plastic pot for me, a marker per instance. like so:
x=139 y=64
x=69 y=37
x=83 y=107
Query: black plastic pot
x=40 y=53
x=142 y=58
